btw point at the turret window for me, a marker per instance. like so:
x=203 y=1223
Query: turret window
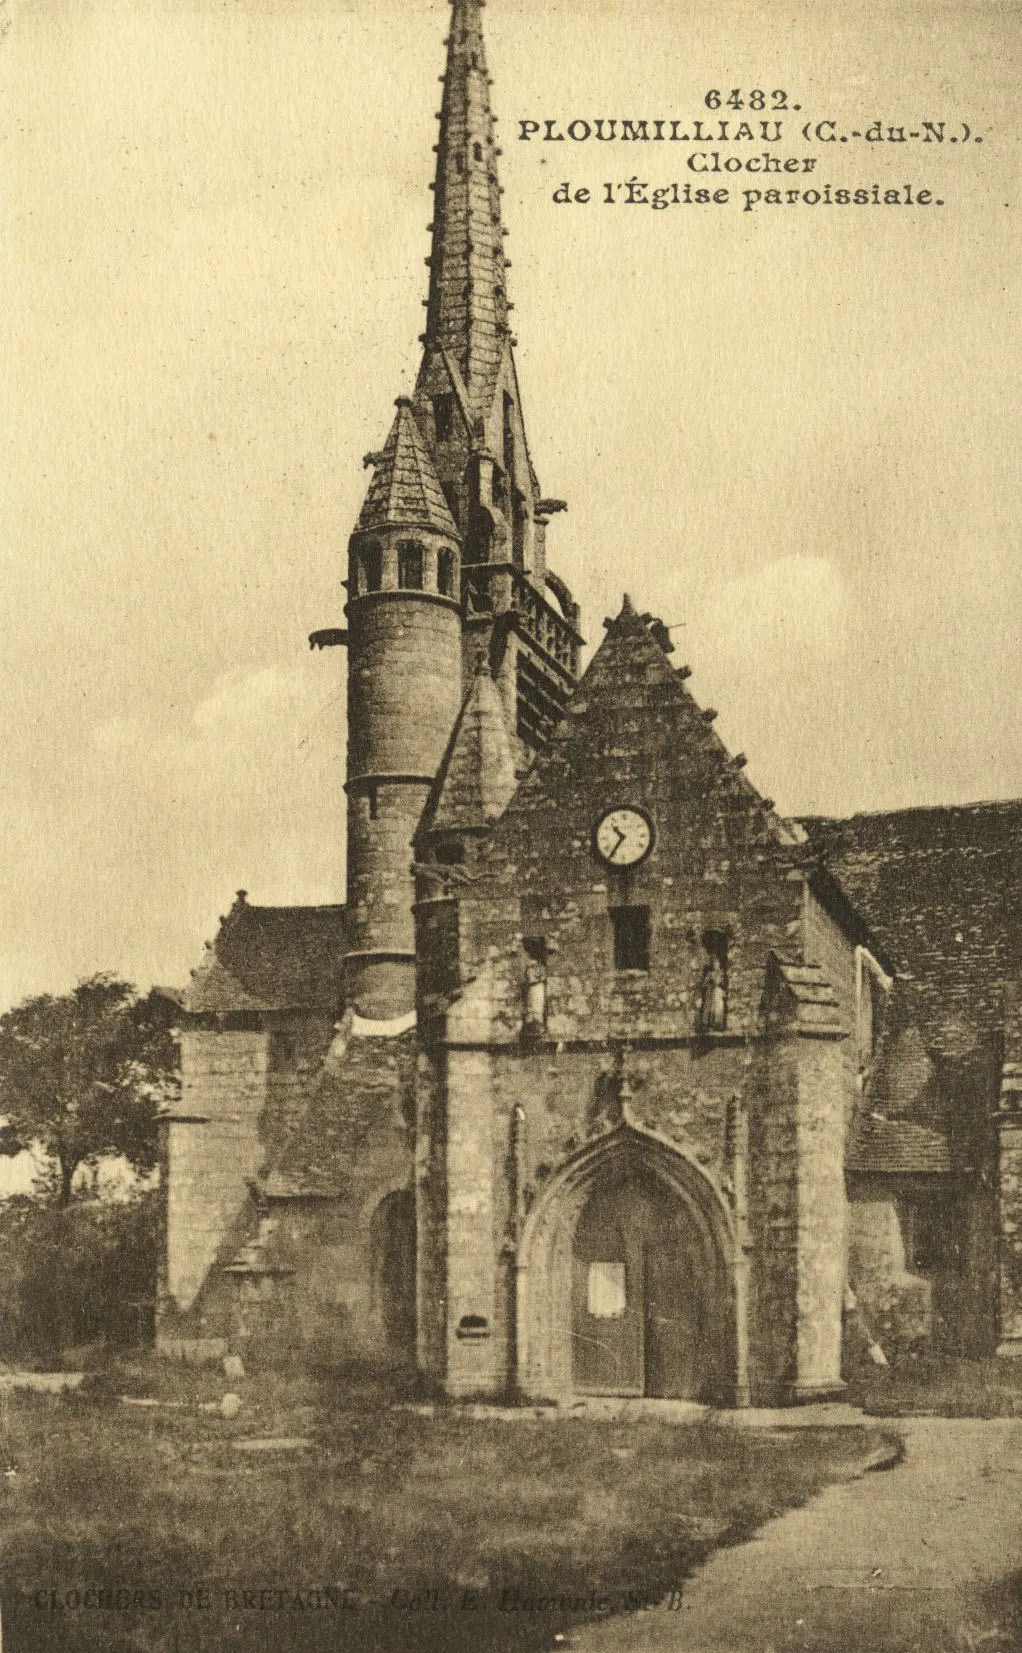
x=411 y=560
x=446 y=566
x=370 y=569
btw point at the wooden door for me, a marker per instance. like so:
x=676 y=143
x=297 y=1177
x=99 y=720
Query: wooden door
x=640 y=1295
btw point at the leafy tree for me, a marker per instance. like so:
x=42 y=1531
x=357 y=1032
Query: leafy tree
x=84 y=1075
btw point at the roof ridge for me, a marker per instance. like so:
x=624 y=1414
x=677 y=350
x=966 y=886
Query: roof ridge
x=909 y=809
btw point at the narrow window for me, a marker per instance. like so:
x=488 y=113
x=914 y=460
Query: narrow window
x=410 y=560
x=443 y=416
x=509 y=429
x=370 y=569
x=374 y=803
x=445 y=569
x=477 y=151
x=631 y=937
x=535 y=982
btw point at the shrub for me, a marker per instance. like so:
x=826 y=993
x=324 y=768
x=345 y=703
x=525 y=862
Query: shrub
x=78 y=1274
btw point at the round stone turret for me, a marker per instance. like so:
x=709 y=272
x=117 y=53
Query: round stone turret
x=404 y=692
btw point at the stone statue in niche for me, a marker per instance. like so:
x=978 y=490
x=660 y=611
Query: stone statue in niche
x=713 y=986
x=535 y=995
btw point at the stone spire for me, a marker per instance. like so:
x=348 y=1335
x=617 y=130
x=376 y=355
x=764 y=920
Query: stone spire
x=467 y=309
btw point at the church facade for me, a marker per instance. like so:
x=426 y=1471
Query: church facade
x=606 y=1078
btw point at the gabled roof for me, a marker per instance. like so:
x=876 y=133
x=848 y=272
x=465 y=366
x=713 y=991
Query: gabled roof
x=477 y=775
x=942 y=890
x=271 y=958
x=630 y=690
x=405 y=491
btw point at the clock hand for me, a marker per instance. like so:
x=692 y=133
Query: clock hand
x=620 y=840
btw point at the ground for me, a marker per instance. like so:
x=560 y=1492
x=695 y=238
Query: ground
x=923 y=1558
x=444 y=1530
x=942 y=1386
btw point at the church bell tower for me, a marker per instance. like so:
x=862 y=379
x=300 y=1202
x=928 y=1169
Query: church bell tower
x=447 y=564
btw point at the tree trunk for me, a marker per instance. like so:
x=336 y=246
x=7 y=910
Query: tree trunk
x=67 y=1171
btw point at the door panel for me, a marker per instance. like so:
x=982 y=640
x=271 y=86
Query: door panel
x=607 y=1316
x=674 y=1339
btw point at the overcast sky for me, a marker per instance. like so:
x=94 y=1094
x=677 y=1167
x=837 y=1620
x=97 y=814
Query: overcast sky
x=793 y=433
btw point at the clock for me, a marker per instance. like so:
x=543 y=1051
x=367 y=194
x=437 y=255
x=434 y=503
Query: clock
x=623 y=837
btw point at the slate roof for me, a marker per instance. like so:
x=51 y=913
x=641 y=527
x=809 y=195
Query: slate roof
x=358 y=1117
x=898 y=1145
x=942 y=890
x=477 y=775
x=405 y=491
x=271 y=958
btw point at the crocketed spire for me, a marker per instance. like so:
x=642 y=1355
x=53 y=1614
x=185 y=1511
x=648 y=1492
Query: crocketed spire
x=467 y=311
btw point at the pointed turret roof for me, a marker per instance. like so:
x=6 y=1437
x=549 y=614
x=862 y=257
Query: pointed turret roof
x=477 y=776
x=405 y=490
x=467 y=309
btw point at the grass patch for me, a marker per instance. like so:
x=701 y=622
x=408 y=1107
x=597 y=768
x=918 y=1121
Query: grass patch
x=445 y=1531
x=942 y=1386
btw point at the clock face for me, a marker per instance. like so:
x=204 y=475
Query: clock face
x=623 y=837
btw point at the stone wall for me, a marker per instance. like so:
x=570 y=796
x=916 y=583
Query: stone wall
x=773 y=1220
x=213 y=1145
x=823 y=1107
x=431 y=1214
x=334 y=1284
x=721 y=873
x=404 y=692
x=827 y=945
x=896 y=1305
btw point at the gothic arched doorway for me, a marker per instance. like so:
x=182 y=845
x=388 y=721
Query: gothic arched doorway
x=392 y=1269
x=640 y=1319
x=626 y=1278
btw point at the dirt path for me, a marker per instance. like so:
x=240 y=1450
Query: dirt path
x=913 y=1558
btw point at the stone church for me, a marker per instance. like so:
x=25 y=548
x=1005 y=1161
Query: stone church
x=605 y=1079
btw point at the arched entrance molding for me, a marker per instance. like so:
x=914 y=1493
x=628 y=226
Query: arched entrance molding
x=391 y=1247
x=545 y=1253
